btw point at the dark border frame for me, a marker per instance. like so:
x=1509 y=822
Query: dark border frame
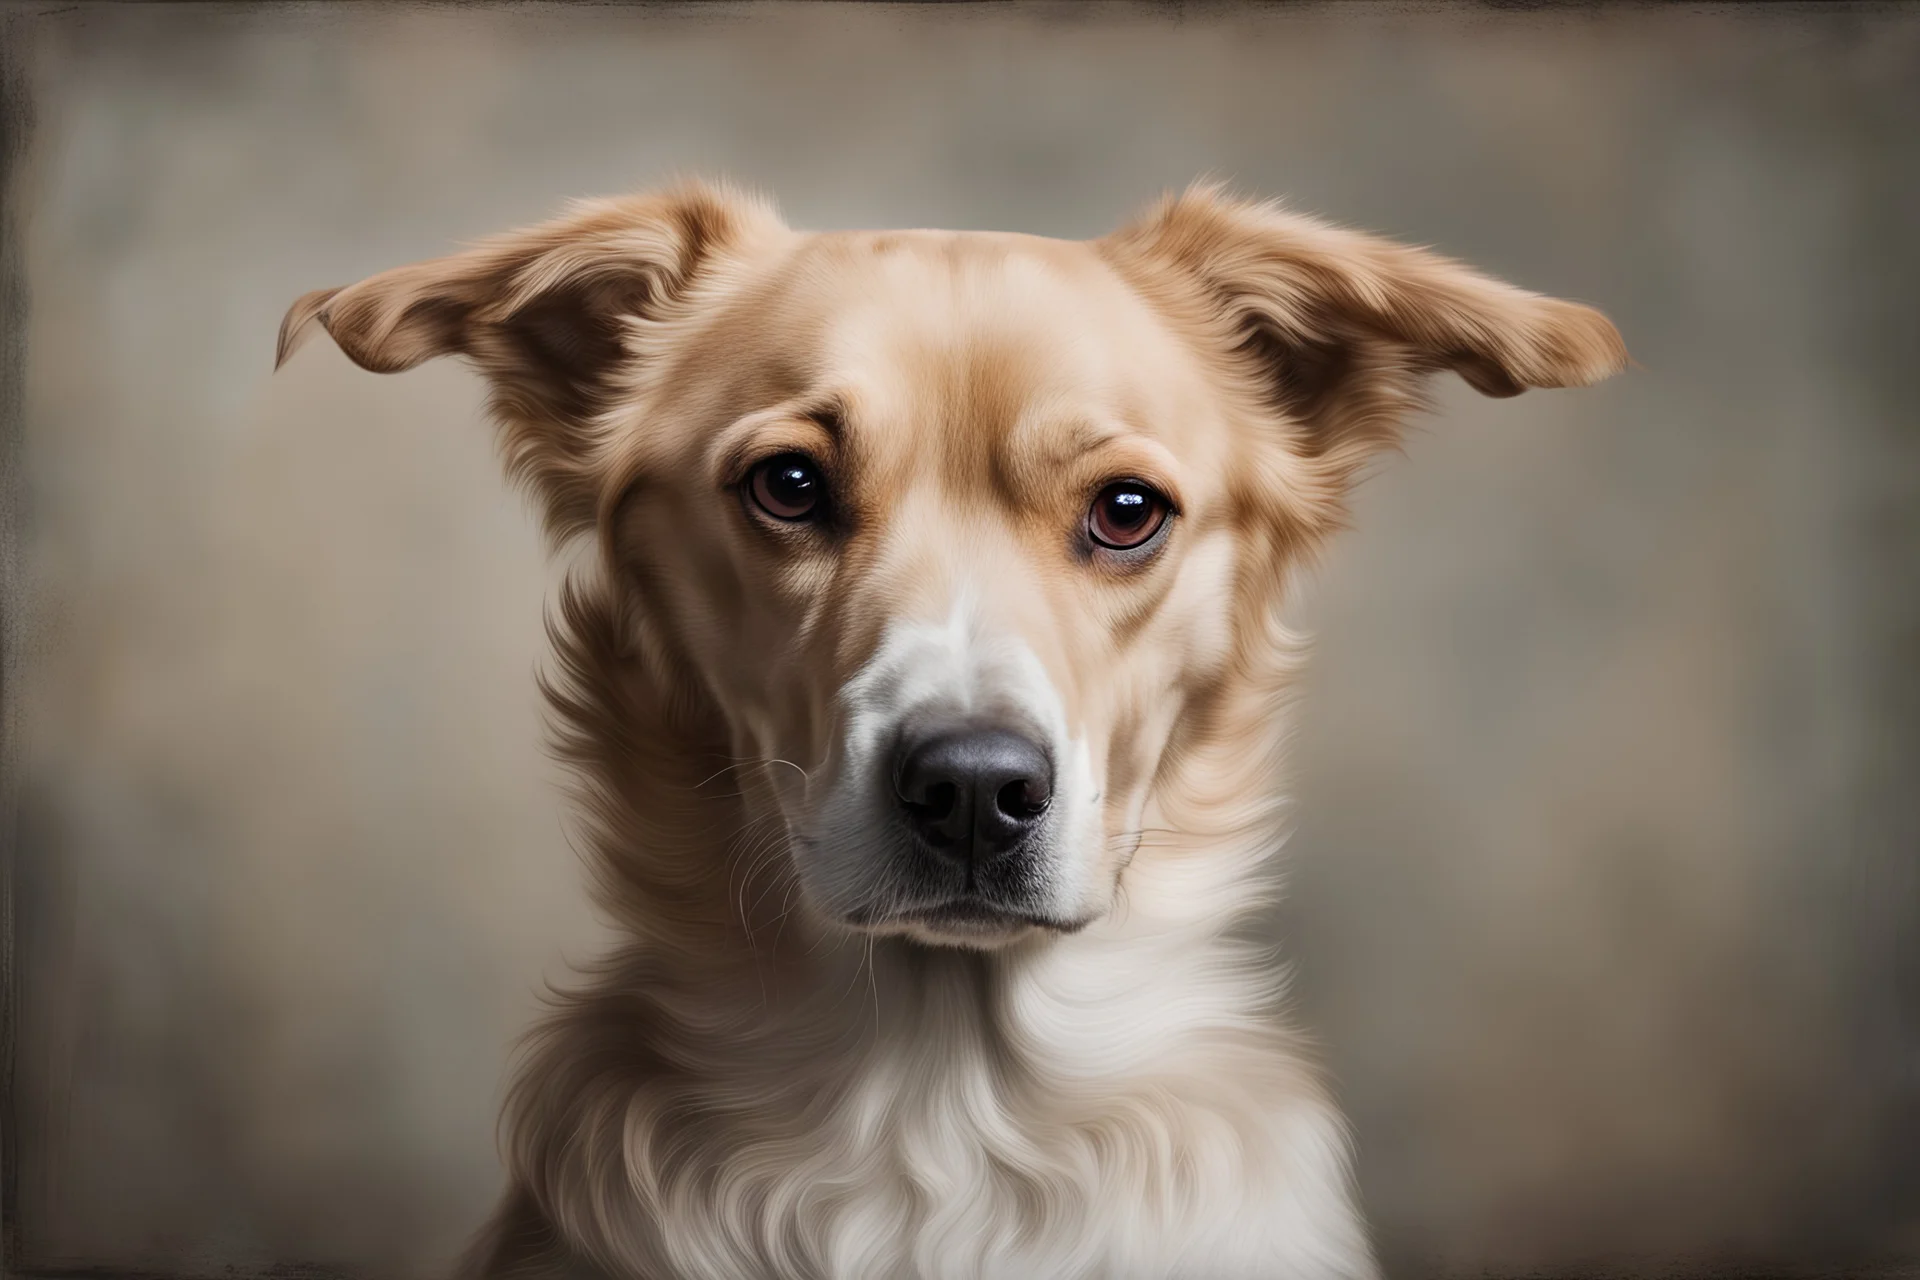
x=16 y=124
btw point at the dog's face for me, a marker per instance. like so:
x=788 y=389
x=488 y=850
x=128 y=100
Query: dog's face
x=953 y=530
x=942 y=521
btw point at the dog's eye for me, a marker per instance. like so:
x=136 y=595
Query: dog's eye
x=1126 y=514
x=789 y=487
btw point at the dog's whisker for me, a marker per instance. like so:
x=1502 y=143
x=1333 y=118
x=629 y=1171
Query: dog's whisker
x=766 y=849
x=786 y=908
x=804 y=775
x=744 y=850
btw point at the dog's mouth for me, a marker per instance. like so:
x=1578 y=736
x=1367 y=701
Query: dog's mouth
x=968 y=920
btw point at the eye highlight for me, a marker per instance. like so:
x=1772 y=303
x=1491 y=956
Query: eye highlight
x=789 y=487
x=1127 y=514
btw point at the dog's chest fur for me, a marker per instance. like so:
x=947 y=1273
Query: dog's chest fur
x=1102 y=1108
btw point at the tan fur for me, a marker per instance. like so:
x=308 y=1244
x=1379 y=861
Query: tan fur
x=749 y=1085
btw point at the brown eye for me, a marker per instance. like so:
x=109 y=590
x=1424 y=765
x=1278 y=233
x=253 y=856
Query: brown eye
x=789 y=487
x=1126 y=514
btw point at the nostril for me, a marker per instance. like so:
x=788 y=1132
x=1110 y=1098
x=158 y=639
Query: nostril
x=1024 y=798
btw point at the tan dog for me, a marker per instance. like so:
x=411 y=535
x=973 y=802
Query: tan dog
x=925 y=686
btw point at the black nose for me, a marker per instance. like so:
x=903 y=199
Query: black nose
x=973 y=794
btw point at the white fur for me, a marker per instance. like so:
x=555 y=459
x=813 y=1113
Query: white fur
x=1112 y=1105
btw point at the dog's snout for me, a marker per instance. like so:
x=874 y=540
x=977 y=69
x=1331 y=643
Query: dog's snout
x=974 y=794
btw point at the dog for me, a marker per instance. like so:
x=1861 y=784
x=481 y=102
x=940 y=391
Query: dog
x=924 y=677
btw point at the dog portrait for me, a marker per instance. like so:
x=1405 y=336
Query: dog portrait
x=973 y=642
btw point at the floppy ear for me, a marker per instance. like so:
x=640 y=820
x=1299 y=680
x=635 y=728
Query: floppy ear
x=1338 y=329
x=547 y=315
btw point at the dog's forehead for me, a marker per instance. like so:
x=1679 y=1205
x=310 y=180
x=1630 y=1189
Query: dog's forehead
x=986 y=336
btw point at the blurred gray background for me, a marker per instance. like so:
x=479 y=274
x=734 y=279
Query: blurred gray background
x=1605 y=902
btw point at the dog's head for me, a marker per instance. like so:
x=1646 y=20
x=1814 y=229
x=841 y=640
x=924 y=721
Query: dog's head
x=953 y=529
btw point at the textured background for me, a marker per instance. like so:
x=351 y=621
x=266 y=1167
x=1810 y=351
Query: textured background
x=1605 y=890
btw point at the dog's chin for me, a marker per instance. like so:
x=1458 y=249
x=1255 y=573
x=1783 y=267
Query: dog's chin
x=967 y=923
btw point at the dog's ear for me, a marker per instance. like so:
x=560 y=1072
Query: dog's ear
x=546 y=314
x=1338 y=328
